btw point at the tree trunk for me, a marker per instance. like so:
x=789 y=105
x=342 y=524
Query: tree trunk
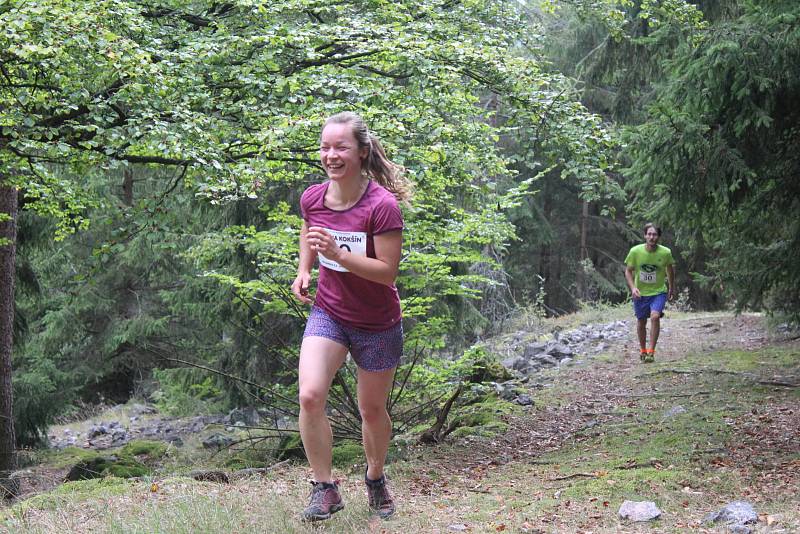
x=580 y=278
x=545 y=251
x=8 y=242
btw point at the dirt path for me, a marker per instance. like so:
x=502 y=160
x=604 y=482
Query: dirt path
x=589 y=401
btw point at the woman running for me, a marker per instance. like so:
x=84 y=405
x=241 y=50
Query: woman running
x=353 y=225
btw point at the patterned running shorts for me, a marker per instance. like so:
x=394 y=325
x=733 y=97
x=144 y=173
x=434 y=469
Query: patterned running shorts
x=372 y=351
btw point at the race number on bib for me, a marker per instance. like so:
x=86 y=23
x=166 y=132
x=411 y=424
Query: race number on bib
x=647 y=278
x=355 y=242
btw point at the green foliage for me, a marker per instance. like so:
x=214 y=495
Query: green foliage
x=39 y=396
x=435 y=380
x=290 y=446
x=183 y=392
x=257 y=453
x=717 y=157
x=348 y=454
x=83 y=490
x=437 y=376
x=208 y=115
x=482 y=415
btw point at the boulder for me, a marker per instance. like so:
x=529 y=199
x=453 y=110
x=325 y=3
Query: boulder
x=734 y=514
x=639 y=511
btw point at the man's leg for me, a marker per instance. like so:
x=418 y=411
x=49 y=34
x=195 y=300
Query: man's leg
x=641 y=330
x=656 y=312
x=655 y=327
x=320 y=358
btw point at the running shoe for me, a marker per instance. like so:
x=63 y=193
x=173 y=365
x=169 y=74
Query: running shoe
x=380 y=500
x=325 y=501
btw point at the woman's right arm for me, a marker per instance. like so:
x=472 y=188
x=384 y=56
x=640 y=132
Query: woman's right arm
x=307 y=258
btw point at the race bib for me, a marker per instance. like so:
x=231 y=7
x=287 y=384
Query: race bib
x=647 y=274
x=354 y=242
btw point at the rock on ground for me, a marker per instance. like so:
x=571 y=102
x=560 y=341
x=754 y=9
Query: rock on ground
x=639 y=510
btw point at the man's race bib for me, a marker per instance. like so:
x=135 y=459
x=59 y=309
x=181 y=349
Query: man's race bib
x=648 y=274
x=354 y=242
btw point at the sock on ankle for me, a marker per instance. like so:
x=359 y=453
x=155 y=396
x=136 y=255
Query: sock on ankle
x=377 y=482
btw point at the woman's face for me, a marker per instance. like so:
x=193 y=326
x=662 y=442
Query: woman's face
x=339 y=152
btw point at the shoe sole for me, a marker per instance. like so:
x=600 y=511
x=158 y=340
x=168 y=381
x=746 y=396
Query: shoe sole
x=322 y=517
x=383 y=515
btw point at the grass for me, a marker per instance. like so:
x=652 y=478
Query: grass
x=547 y=471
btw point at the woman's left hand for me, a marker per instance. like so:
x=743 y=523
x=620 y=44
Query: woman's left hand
x=323 y=243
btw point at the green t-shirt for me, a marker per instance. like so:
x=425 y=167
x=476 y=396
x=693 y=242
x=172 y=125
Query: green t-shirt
x=650 y=268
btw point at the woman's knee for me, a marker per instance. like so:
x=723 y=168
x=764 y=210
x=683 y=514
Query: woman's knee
x=313 y=400
x=373 y=413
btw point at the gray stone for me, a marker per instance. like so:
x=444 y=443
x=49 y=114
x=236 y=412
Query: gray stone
x=506 y=391
x=518 y=363
x=534 y=348
x=217 y=441
x=563 y=351
x=141 y=409
x=736 y=512
x=97 y=430
x=544 y=359
x=524 y=400
x=174 y=440
x=639 y=510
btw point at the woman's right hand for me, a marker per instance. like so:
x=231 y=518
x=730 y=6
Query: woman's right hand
x=300 y=288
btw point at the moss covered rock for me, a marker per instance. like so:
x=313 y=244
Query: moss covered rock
x=152 y=450
x=101 y=466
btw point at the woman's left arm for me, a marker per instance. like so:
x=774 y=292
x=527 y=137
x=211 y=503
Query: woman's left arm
x=381 y=269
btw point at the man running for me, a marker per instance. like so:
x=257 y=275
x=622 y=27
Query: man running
x=646 y=267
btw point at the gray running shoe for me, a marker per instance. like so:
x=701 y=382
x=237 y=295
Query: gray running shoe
x=380 y=500
x=325 y=501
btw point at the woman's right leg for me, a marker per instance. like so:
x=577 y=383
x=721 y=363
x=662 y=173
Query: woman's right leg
x=320 y=358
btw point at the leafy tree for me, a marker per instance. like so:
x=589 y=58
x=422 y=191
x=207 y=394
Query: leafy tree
x=619 y=54
x=717 y=157
x=8 y=230
x=230 y=96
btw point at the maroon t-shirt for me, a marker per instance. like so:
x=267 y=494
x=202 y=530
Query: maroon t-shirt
x=353 y=300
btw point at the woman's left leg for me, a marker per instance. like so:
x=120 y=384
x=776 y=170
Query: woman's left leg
x=376 y=426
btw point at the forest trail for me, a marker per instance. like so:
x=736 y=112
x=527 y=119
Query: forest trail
x=715 y=419
x=605 y=419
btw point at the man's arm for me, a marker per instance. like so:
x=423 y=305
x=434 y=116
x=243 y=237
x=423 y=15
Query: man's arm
x=629 y=270
x=671 y=281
